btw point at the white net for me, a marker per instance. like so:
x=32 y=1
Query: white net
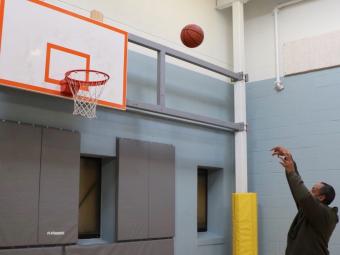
x=86 y=87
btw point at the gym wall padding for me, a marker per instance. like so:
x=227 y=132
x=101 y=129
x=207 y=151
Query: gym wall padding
x=39 y=185
x=59 y=187
x=154 y=247
x=244 y=206
x=161 y=190
x=19 y=184
x=33 y=251
x=132 y=200
x=146 y=190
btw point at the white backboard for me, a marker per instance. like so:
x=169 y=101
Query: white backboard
x=39 y=42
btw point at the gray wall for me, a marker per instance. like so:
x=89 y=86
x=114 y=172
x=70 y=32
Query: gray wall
x=305 y=117
x=194 y=145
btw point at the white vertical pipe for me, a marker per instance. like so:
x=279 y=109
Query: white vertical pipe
x=240 y=98
x=278 y=83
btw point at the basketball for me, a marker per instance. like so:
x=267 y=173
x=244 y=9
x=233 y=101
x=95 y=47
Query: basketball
x=192 y=35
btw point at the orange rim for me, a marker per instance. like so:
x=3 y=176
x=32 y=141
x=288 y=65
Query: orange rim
x=69 y=80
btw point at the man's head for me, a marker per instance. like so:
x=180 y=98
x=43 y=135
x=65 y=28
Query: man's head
x=324 y=192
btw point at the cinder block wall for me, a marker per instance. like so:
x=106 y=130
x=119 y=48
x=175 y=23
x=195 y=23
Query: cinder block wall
x=305 y=117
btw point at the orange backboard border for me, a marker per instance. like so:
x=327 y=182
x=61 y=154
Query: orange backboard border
x=2 y=10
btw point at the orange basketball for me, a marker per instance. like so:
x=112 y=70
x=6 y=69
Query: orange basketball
x=192 y=35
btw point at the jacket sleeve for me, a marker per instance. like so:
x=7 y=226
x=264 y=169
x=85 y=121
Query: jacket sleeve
x=311 y=207
x=290 y=186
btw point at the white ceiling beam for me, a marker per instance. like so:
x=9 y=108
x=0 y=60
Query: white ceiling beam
x=222 y=4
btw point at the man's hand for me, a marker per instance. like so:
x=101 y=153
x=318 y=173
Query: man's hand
x=286 y=158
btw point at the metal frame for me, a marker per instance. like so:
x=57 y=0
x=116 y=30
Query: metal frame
x=160 y=110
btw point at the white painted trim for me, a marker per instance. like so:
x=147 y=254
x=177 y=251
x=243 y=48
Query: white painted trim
x=222 y=4
x=241 y=181
x=209 y=238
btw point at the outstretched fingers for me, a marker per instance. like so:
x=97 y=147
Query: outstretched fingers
x=280 y=151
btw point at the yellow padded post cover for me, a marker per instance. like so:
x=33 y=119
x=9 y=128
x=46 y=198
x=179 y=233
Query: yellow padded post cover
x=244 y=224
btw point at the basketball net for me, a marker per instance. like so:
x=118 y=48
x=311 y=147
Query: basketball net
x=86 y=87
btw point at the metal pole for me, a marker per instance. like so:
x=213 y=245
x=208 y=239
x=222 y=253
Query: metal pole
x=278 y=84
x=241 y=181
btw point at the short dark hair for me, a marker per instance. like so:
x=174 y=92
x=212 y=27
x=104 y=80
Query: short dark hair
x=329 y=193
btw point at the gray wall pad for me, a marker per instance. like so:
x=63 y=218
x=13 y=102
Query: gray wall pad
x=19 y=184
x=59 y=187
x=161 y=190
x=146 y=193
x=33 y=251
x=132 y=216
x=156 y=247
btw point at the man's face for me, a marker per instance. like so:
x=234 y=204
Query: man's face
x=316 y=191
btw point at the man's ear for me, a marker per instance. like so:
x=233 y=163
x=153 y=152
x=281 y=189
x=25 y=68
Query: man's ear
x=322 y=198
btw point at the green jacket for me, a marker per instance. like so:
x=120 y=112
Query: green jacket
x=314 y=223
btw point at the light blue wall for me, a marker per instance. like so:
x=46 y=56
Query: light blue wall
x=194 y=145
x=185 y=90
x=305 y=117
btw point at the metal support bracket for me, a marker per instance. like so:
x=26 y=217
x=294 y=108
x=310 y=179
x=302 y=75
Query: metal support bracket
x=242 y=77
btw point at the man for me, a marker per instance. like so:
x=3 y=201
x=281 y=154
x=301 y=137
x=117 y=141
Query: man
x=315 y=221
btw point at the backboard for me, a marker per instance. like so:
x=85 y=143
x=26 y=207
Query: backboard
x=39 y=42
